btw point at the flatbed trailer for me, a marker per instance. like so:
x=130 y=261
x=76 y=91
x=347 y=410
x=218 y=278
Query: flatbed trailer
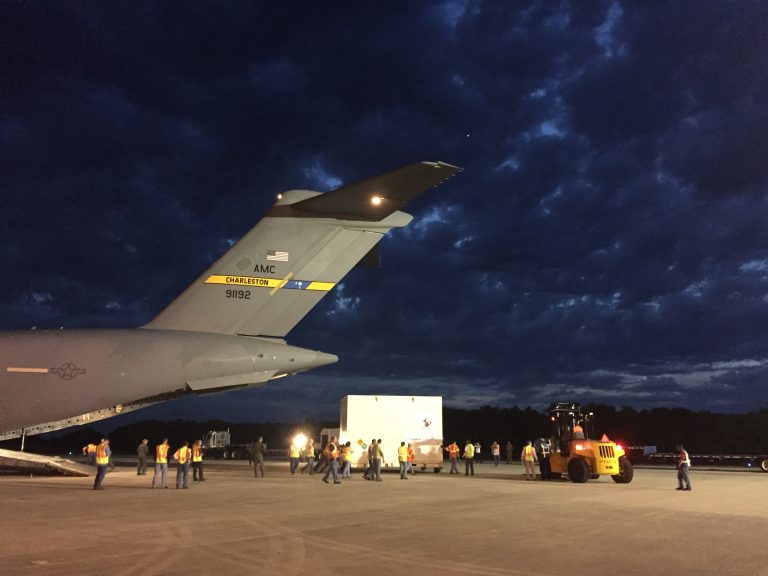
x=758 y=461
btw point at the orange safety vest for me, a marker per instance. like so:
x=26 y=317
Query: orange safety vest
x=453 y=451
x=411 y=454
x=332 y=450
x=90 y=449
x=102 y=458
x=161 y=453
x=197 y=453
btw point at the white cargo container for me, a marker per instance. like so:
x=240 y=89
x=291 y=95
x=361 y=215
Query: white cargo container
x=411 y=419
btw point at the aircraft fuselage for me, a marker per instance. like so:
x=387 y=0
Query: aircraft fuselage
x=52 y=375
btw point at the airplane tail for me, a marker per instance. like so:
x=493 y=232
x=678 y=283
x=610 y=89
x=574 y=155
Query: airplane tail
x=275 y=274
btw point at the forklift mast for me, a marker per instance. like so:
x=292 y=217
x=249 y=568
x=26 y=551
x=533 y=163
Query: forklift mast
x=565 y=417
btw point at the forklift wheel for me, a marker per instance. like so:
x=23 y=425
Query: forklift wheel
x=578 y=471
x=626 y=471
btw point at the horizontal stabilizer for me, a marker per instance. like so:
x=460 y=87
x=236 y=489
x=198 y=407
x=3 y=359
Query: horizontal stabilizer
x=392 y=190
x=372 y=259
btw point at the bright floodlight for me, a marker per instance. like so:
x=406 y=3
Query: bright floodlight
x=299 y=440
x=376 y=200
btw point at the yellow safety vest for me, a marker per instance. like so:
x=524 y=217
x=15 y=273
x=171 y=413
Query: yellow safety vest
x=294 y=453
x=197 y=453
x=402 y=454
x=161 y=453
x=469 y=451
x=183 y=454
x=528 y=453
x=101 y=454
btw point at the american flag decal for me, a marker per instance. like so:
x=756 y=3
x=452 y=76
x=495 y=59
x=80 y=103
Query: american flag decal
x=277 y=256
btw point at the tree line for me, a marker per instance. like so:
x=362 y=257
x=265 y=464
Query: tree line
x=700 y=431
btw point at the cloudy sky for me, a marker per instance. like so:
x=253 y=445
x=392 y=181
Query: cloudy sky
x=607 y=240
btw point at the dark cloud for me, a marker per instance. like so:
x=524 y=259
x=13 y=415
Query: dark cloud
x=606 y=241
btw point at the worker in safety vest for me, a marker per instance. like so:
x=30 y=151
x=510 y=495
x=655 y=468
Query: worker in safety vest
x=453 y=455
x=478 y=453
x=469 y=459
x=294 y=456
x=197 y=461
x=309 y=453
x=89 y=450
x=346 y=460
x=402 y=459
x=496 y=453
x=161 y=464
x=541 y=447
x=683 y=464
x=528 y=457
x=411 y=460
x=183 y=457
x=578 y=432
x=332 y=452
x=102 y=461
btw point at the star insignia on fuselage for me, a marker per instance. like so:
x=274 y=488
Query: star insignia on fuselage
x=67 y=371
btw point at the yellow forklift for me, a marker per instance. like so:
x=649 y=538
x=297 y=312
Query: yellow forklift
x=576 y=452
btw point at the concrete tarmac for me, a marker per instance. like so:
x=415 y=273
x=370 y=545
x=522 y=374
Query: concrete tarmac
x=494 y=523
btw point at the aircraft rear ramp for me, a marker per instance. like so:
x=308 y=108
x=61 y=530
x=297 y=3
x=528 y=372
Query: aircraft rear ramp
x=39 y=464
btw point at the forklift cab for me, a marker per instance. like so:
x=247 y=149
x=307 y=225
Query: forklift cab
x=569 y=423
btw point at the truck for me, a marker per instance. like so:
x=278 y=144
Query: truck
x=417 y=420
x=576 y=451
x=217 y=445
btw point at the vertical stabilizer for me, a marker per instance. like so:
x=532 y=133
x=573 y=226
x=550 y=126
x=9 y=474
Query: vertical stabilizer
x=275 y=274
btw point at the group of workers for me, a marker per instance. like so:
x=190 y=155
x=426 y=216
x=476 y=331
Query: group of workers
x=331 y=457
x=185 y=457
x=531 y=453
x=335 y=459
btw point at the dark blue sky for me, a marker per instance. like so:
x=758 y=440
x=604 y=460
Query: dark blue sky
x=607 y=241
